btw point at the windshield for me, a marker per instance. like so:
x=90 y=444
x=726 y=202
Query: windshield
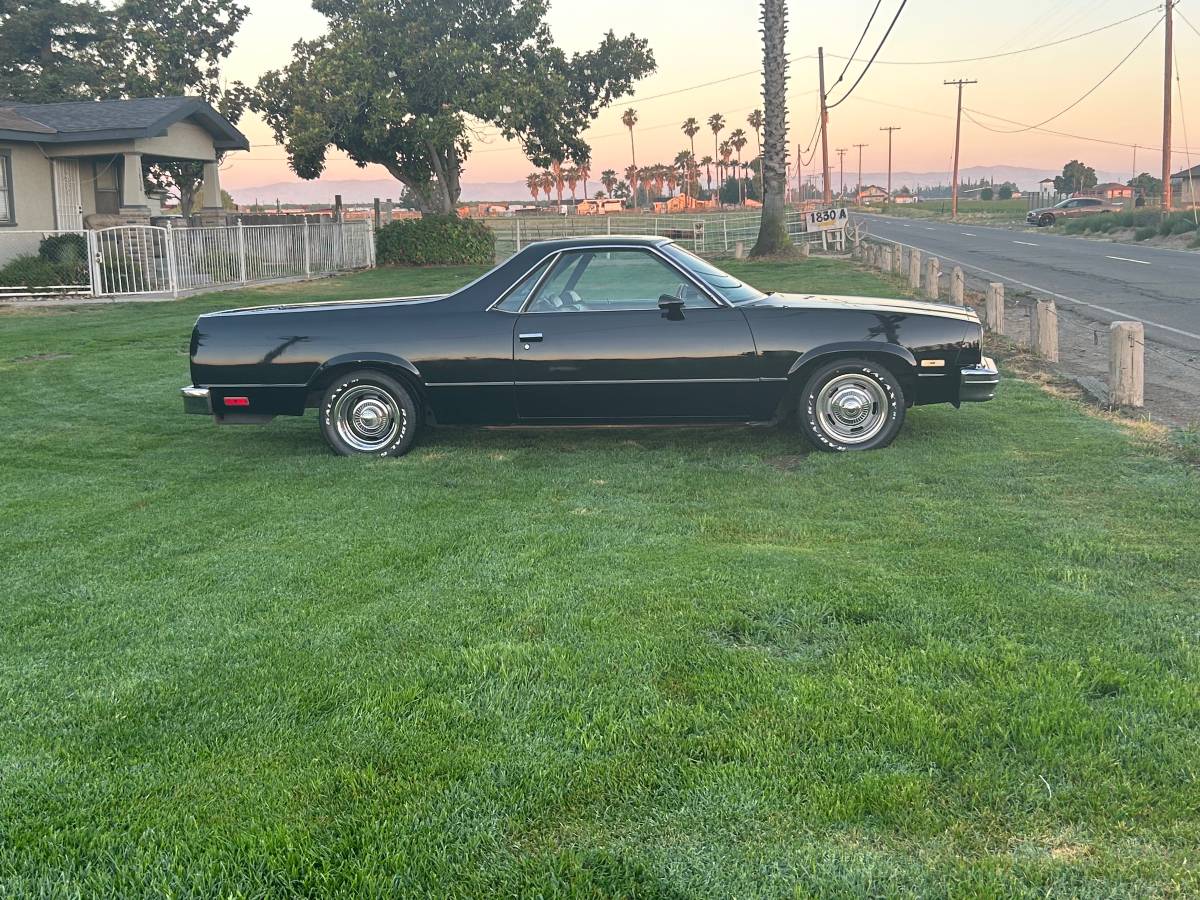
x=722 y=282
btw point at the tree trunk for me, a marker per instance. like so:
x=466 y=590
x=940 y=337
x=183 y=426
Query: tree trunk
x=772 y=231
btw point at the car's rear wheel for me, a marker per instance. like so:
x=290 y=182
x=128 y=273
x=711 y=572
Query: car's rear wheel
x=851 y=404
x=368 y=413
x=1046 y=220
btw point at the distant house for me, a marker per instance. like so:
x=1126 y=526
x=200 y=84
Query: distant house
x=1112 y=190
x=1185 y=187
x=66 y=166
x=600 y=207
x=1046 y=188
x=903 y=196
x=872 y=193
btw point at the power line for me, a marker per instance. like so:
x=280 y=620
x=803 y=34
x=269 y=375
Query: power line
x=1186 y=20
x=867 y=68
x=861 y=37
x=971 y=59
x=1089 y=93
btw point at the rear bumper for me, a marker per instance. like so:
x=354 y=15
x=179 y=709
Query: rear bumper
x=977 y=383
x=197 y=400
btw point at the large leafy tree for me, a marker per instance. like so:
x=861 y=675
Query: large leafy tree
x=52 y=50
x=1075 y=177
x=772 y=231
x=402 y=83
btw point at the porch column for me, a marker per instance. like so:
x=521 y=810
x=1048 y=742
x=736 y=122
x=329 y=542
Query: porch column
x=133 y=186
x=210 y=188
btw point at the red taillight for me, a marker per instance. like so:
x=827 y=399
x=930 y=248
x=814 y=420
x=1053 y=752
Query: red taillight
x=237 y=401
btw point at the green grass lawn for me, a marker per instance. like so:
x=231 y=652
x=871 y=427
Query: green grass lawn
x=648 y=663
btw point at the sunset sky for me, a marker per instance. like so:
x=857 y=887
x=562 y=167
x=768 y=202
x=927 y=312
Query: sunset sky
x=702 y=41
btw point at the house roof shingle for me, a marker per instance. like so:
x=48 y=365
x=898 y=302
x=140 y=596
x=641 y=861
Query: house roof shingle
x=99 y=120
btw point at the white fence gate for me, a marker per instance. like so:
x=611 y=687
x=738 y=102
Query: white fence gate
x=144 y=260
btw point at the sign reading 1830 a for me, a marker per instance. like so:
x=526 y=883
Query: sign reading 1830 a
x=827 y=219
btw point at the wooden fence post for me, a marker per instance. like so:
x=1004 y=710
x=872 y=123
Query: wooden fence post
x=993 y=311
x=958 y=284
x=933 y=272
x=1127 y=365
x=898 y=259
x=914 y=270
x=1043 y=330
x=739 y=248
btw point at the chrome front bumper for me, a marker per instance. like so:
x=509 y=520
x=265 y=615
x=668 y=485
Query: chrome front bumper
x=978 y=382
x=196 y=400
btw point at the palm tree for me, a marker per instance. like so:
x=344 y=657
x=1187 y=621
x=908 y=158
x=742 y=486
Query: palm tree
x=716 y=122
x=547 y=184
x=557 y=169
x=584 y=171
x=572 y=177
x=755 y=121
x=533 y=181
x=691 y=128
x=608 y=178
x=631 y=175
x=726 y=154
x=772 y=229
x=707 y=162
x=629 y=119
x=738 y=140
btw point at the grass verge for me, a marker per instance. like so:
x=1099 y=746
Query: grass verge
x=598 y=663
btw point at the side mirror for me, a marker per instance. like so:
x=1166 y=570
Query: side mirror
x=671 y=306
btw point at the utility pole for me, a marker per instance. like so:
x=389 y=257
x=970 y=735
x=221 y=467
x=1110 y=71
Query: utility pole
x=841 y=152
x=799 y=174
x=1166 y=141
x=957 y=142
x=889 y=129
x=858 y=189
x=827 y=195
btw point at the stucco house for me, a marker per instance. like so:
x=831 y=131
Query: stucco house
x=79 y=164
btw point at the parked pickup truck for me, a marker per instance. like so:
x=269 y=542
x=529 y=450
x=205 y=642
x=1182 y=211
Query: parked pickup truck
x=1070 y=209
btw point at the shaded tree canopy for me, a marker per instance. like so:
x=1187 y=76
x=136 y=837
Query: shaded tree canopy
x=401 y=82
x=1075 y=177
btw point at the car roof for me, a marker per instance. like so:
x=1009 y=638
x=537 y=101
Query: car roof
x=591 y=240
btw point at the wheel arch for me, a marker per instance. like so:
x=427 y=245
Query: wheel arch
x=395 y=366
x=896 y=359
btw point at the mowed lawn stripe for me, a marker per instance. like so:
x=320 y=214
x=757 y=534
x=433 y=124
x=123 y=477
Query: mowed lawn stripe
x=601 y=662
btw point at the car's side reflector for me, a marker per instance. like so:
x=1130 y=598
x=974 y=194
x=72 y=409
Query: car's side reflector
x=237 y=401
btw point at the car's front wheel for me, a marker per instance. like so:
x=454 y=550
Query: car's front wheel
x=1046 y=221
x=368 y=413
x=851 y=404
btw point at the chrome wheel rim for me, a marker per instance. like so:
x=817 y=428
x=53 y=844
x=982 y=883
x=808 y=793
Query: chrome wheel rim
x=367 y=418
x=852 y=408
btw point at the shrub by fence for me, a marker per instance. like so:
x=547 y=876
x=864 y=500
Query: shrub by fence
x=434 y=240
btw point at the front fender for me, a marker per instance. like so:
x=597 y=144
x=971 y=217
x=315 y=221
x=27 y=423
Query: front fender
x=850 y=348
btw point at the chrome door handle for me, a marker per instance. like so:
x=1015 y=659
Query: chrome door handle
x=531 y=336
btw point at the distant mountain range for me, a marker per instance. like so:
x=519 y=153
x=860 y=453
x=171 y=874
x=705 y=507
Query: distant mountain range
x=364 y=191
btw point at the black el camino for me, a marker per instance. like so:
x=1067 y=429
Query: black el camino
x=589 y=330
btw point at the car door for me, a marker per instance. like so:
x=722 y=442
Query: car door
x=592 y=344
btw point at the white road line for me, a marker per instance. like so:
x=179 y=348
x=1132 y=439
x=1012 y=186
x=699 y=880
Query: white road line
x=929 y=229
x=1025 y=243
x=1140 y=262
x=1058 y=296
x=905 y=226
x=966 y=234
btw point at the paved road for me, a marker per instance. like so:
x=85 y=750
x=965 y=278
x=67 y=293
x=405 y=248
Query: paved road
x=1107 y=280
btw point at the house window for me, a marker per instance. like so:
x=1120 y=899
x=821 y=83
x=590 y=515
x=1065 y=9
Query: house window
x=108 y=185
x=8 y=215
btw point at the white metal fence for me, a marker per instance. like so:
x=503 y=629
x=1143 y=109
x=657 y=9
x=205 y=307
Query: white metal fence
x=711 y=233
x=132 y=260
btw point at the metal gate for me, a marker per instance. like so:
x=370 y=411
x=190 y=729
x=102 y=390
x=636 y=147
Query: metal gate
x=131 y=259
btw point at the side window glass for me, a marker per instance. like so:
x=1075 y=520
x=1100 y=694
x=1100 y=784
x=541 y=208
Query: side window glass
x=516 y=298
x=609 y=280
